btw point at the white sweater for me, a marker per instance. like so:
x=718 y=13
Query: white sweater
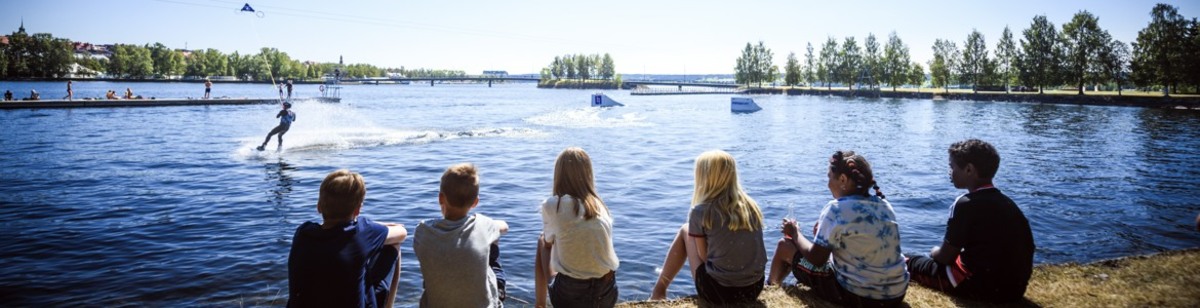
x=582 y=249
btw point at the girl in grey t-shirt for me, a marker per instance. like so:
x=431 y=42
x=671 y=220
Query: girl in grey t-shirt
x=722 y=241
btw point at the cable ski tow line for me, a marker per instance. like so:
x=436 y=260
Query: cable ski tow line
x=247 y=9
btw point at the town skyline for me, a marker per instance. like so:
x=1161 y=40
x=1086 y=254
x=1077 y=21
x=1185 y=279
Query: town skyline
x=653 y=38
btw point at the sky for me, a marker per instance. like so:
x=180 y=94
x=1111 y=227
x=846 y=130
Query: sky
x=651 y=37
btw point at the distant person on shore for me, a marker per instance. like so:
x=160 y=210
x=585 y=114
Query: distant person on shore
x=111 y=94
x=207 y=88
x=722 y=240
x=576 y=241
x=347 y=260
x=33 y=95
x=8 y=96
x=987 y=252
x=854 y=256
x=70 y=93
x=128 y=93
x=286 y=116
x=289 y=89
x=459 y=252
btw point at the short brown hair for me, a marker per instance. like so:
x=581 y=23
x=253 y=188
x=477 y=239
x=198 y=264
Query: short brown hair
x=341 y=194
x=460 y=185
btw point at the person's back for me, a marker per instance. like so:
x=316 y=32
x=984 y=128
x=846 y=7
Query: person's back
x=456 y=251
x=998 y=244
x=326 y=267
x=865 y=245
x=347 y=260
x=454 y=261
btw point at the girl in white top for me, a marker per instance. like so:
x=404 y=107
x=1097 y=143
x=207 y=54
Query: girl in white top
x=576 y=244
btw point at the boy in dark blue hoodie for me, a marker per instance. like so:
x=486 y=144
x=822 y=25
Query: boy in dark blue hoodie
x=347 y=260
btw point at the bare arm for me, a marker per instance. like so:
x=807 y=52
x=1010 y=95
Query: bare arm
x=945 y=254
x=503 y=226
x=396 y=234
x=815 y=254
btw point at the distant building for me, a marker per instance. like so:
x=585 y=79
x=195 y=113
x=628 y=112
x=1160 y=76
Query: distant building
x=495 y=73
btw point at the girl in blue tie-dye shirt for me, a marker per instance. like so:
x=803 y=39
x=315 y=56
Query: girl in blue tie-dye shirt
x=854 y=256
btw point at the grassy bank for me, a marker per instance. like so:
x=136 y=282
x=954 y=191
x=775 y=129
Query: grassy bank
x=1170 y=279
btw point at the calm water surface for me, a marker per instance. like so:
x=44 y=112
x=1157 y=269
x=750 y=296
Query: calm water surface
x=170 y=206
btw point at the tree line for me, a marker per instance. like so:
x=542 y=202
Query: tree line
x=1166 y=55
x=42 y=55
x=580 y=66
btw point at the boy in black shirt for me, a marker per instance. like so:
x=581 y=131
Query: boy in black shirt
x=987 y=253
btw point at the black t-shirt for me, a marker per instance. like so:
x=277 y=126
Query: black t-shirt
x=997 y=245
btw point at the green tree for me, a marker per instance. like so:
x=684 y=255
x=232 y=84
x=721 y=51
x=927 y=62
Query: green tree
x=743 y=66
x=217 y=63
x=974 y=57
x=765 y=68
x=916 y=76
x=556 y=68
x=896 y=68
x=872 y=63
x=4 y=61
x=1082 y=40
x=197 y=64
x=583 y=67
x=791 y=70
x=849 y=70
x=1161 y=49
x=945 y=54
x=569 y=64
x=827 y=68
x=607 y=68
x=1115 y=60
x=809 y=66
x=1006 y=58
x=1039 y=65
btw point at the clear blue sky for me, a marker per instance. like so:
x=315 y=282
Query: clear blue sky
x=675 y=37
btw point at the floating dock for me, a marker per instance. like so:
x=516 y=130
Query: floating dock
x=152 y=102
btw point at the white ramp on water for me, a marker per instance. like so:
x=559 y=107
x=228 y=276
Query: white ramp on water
x=743 y=104
x=602 y=100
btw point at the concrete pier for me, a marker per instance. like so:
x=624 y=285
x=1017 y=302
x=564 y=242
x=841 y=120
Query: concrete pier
x=159 y=102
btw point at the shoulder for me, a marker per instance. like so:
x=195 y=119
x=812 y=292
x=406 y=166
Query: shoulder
x=556 y=202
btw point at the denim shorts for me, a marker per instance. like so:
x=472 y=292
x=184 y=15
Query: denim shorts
x=597 y=292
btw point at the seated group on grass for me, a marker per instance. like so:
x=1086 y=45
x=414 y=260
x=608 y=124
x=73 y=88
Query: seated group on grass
x=853 y=257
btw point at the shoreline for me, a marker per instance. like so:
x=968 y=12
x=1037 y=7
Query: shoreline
x=1161 y=279
x=1174 y=102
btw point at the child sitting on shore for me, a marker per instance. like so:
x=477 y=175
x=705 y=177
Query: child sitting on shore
x=452 y=250
x=576 y=239
x=987 y=253
x=347 y=260
x=722 y=241
x=859 y=231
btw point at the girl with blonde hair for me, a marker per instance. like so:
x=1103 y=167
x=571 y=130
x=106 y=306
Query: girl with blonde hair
x=576 y=245
x=722 y=241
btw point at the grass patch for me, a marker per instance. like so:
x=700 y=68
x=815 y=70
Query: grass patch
x=1168 y=279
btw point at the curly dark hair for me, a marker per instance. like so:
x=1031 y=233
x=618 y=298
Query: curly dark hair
x=857 y=169
x=976 y=152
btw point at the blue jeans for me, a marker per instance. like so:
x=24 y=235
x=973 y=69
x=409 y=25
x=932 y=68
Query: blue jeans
x=570 y=292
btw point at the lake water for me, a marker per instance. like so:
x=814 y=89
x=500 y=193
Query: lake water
x=170 y=206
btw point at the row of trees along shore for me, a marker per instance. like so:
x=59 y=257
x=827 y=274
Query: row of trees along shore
x=1166 y=55
x=42 y=55
x=578 y=70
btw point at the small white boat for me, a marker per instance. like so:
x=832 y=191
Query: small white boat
x=602 y=100
x=743 y=104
